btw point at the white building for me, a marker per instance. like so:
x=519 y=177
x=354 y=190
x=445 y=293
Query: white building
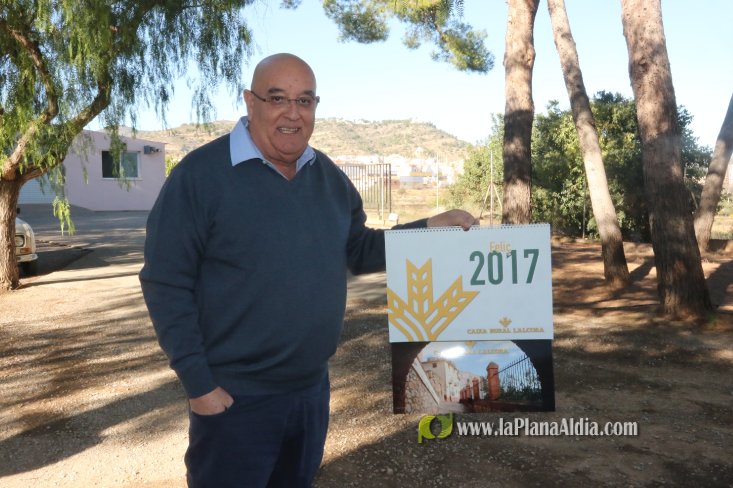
x=91 y=175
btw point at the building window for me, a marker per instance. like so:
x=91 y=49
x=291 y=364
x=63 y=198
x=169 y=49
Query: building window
x=113 y=169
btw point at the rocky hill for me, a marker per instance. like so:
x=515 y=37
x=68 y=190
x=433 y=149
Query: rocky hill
x=336 y=137
x=404 y=137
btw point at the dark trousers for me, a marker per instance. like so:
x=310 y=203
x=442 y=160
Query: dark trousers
x=261 y=441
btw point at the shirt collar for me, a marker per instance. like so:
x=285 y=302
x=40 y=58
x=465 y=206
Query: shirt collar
x=242 y=148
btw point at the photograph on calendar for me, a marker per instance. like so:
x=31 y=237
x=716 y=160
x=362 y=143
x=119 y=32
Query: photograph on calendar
x=472 y=376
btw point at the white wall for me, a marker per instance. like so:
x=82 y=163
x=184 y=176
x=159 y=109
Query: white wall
x=97 y=193
x=32 y=192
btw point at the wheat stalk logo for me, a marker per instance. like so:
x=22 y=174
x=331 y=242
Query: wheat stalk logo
x=421 y=318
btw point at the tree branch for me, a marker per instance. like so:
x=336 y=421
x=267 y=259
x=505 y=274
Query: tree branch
x=130 y=26
x=101 y=100
x=66 y=132
x=12 y=164
x=34 y=52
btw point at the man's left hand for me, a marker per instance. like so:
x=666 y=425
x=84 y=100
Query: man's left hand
x=452 y=218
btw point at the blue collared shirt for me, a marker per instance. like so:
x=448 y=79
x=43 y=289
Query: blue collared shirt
x=242 y=148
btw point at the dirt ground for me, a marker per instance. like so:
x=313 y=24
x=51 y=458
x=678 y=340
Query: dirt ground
x=87 y=398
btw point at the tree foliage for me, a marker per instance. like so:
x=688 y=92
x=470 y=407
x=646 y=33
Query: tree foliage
x=559 y=190
x=558 y=180
x=559 y=187
x=64 y=63
x=438 y=22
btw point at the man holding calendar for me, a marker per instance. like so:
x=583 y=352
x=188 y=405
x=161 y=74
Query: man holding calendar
x=246 y=258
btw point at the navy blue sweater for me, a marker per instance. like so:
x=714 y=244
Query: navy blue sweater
x=245 y=271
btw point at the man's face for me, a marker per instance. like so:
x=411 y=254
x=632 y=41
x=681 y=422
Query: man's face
x=281 y=132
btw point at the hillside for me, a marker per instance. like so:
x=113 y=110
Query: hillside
x=335 y=137
x=183 y=139
x=404 y=137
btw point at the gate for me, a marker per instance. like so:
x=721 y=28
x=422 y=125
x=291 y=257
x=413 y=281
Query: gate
x=519 y=381
x=373 y=183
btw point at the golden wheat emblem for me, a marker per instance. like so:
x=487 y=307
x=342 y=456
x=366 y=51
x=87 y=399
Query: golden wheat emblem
x=421 y=318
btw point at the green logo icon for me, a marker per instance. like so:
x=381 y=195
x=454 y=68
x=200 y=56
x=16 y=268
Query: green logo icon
x=424 y=431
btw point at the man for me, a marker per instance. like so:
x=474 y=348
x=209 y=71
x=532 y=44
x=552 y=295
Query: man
x=246 y=259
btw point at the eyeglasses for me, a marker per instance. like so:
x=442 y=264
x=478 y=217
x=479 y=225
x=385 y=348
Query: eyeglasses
x=303 y=101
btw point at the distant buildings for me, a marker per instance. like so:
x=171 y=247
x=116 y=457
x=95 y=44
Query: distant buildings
x=410 y=172
x=449 y=382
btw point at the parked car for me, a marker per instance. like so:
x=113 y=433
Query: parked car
x=25 y=247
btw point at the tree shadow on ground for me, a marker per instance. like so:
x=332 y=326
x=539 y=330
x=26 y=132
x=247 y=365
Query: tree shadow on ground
x=69 y=378
x=87 y=351
x=55 y=280
x=719 y=281
x=578 y=283
x=60 y=437
x=52 y=257
x=641 y=271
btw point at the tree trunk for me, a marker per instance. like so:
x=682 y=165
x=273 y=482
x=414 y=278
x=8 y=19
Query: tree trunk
x=714 y=181
x=9 y=192
x=680 y=279
x=615 y=269
x=519 y=111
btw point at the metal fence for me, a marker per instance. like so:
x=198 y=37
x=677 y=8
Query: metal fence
x=519 y=381
x=373 y=183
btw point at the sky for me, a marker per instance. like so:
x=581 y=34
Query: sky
x=387 y=81
x=476 y=359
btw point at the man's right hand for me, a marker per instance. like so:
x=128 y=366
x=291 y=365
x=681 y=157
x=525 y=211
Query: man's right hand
x=212 y=403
